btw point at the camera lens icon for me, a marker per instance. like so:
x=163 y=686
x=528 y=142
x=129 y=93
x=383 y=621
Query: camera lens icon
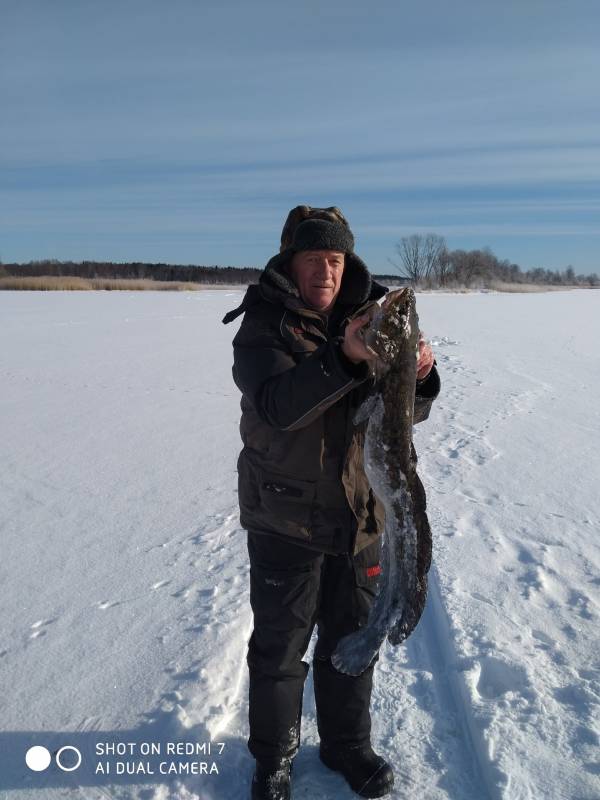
x=38 y=758
x=68 y=748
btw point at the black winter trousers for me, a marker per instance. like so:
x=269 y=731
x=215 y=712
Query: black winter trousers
x=293 y=588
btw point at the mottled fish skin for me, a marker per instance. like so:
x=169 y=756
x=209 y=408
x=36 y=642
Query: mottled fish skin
x=390 y=464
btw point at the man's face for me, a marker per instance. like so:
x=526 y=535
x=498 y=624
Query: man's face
x=318 y=276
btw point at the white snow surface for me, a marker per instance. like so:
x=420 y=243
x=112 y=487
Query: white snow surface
x=125 y=610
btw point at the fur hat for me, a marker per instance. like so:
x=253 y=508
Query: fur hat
x=301 y=213
x=320 y=234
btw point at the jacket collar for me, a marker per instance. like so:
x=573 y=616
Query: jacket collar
x=275 y=285
x=357 y=287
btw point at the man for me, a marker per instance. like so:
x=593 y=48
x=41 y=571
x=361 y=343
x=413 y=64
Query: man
x=313 y=521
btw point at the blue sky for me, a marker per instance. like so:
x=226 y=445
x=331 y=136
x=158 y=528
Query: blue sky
x=185 y=131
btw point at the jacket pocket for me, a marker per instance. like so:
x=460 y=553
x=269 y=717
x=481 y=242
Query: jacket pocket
x=367 y=566
x=287 y=499
x=367 y=573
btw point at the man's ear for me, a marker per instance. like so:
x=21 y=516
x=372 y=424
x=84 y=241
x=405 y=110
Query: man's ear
x=286 y=265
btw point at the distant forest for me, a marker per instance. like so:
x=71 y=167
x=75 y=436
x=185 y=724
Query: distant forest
x=422 y=260
x=134 y=269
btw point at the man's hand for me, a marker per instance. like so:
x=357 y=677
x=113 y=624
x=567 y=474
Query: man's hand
x=353 y=346
x=425 y=358
x=355 y=349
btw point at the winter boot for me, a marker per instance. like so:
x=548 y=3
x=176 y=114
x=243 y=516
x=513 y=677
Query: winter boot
x=272 y=782
x=368 y=774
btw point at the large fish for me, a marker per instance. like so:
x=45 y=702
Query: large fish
x=390 y=464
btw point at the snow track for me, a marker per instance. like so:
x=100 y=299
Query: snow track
x=454 y=697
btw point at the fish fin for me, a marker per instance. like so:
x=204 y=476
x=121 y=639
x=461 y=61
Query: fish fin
x=366 y=408
x=351 y=662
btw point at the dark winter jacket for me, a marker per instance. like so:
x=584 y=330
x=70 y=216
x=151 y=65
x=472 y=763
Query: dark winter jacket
x=301 y=473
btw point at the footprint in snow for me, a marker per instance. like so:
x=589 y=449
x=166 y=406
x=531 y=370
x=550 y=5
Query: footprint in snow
x=104 y=604
x=497 y=677
x=569 y=631
x=533 y=581
x=206 y=594
x=580 y=697
x=580 y=602
x=184 y=592
x=157 y=547
x=442 y=341
x=475 y=450
x=482 y=599
x=37 y=627
x=526 y=557
x=547 y=641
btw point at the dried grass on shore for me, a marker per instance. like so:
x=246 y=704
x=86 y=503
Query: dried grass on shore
x=531 y=287
x=510 y=288
x=74 y=283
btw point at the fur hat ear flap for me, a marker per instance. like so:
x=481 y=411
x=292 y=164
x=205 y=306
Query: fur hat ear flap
x=294 y=218
x=335 y=215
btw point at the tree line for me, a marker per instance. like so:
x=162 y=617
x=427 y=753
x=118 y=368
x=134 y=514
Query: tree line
x=425 y=260
x=134 y=269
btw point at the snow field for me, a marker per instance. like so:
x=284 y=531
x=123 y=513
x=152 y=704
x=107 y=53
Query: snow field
x=515 y=507
x=125 y=585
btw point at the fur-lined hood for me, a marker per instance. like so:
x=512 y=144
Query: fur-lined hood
x=357 y=281
x=276 y=286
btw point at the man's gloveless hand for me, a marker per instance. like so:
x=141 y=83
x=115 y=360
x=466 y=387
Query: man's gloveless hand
x=355 y=349
x=353 y=346
x=425 y=358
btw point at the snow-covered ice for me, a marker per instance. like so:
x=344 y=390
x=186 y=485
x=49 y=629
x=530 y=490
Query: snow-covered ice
x=125 y=611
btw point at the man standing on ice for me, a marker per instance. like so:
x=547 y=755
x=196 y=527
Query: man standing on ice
x=313 y=521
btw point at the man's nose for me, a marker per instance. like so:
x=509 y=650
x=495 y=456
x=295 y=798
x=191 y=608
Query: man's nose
x=324 y=267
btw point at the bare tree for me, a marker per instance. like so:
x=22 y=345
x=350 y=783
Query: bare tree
x=443 y=266
x=410 y=250
x=470 y=265
x=432 y=249
x=420 y=256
